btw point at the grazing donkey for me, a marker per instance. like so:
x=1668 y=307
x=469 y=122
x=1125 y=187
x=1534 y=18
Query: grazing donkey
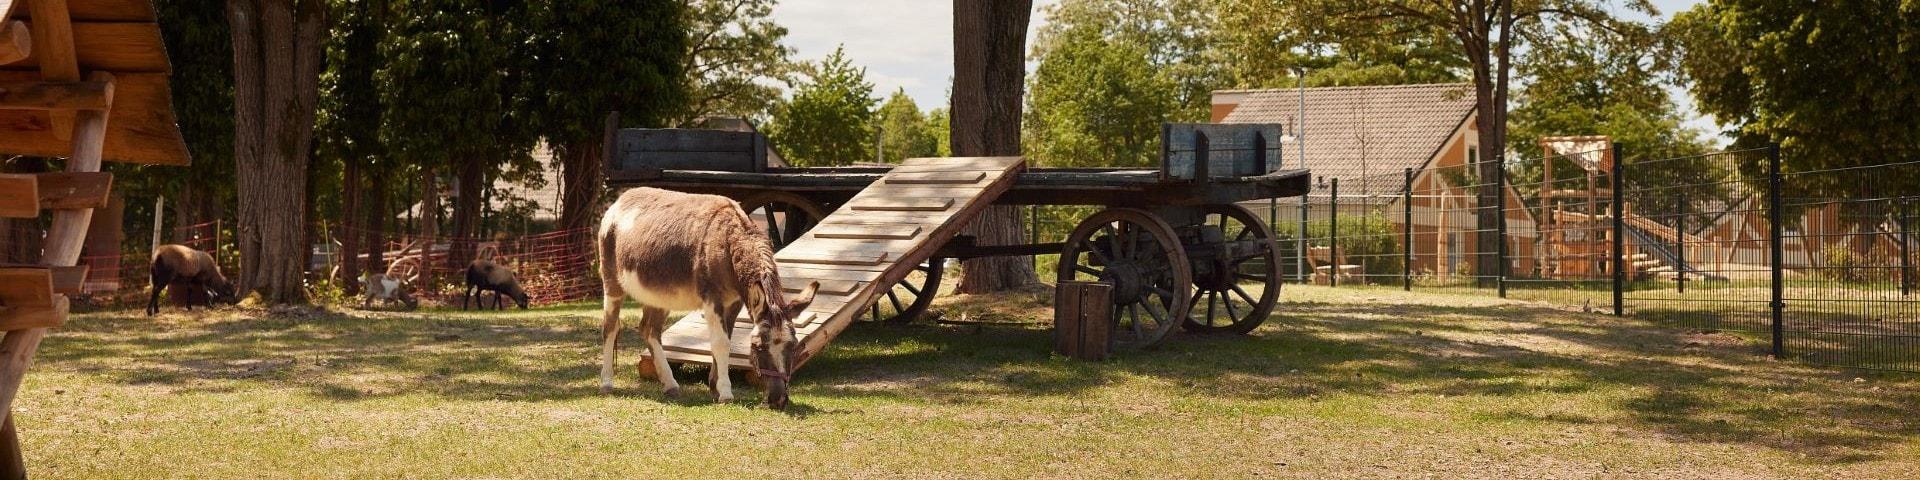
x=183 y=270
x=485 y=276
x=674 y=251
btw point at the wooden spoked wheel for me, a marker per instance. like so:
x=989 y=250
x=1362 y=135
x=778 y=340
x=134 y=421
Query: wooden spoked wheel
x=785 y=216
x=407 y=270
x=910 y=297
x=1236 y=274
x=1139 y=255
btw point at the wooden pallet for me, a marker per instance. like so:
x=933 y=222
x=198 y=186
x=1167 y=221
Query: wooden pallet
x=859 y=251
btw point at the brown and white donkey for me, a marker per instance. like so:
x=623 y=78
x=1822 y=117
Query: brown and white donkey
x=672 y=251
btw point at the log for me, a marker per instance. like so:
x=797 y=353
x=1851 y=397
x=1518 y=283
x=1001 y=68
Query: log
x=16 y=42
x=70 y=190
x=19 y=196
x=54 y=95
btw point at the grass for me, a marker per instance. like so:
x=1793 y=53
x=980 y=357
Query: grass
x=1343 y=383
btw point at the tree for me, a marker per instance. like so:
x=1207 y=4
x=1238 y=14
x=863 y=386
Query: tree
x=277 y=53
x=597 y=57
x=349 y=129
x=1175 y=39
x=1095 y=101
x=734 y=58
x=1580 y=87
x=938 y=125
x=1486 y=32
x=454 y=76
x=829 y=120
x=903 y=129
x=989 y=42
x=1835 y=85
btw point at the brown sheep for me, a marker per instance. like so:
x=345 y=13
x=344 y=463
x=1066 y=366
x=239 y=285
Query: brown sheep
x=484 y=276
x=190 y=271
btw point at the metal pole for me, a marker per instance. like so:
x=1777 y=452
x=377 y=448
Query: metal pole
x=1619 y=252
x=1906 y=258
x=1333 y=236
x=1776 y=257
x=1680 y=247
x=1500 y=209
x=1300 y=265
x=1406 y=234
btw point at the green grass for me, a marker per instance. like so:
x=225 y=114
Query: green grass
x=1343 y=383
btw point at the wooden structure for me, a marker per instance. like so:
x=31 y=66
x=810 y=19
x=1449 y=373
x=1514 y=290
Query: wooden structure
x=1171 y=244
x=1576 y=230
x=1080 y=314
x=85 y=80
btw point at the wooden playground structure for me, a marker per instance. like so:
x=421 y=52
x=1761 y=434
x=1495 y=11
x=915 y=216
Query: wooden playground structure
x=85 y=80
x=1575 y=225
x=1171 y=243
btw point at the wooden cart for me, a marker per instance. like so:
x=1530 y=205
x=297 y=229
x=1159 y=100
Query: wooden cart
x=1171 y=240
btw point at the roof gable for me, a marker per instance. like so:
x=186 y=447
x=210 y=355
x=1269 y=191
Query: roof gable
x=1353 y=133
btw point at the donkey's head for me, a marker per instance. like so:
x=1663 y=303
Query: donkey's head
x=775 y=346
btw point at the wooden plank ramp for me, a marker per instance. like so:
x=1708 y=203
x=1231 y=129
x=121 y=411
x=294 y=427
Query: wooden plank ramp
x=859 y=251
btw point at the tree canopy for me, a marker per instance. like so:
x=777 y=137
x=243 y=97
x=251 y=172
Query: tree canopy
x=829 y=119
x=903 y=129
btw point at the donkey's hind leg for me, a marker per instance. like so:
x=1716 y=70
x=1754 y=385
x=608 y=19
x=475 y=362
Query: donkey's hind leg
x=610 y=340
x=653 y=324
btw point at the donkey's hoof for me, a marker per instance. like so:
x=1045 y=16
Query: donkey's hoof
x=673 y=392
x=606 y=389
x=723 y=398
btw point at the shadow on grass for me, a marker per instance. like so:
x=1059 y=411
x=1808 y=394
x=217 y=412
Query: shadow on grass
x=1701 y=389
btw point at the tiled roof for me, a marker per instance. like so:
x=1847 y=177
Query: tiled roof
x=1365 y=136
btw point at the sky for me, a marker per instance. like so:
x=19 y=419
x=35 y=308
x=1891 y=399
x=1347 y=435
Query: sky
x=908 y=44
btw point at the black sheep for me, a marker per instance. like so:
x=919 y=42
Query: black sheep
x=485 y=276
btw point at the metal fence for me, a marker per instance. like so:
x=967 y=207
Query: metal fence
x=1723 y=241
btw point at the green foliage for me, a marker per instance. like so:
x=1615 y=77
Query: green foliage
x=451 y=71
x=939 y=127
x=196 y=33
x=1259 y=42
x=599 y=56
x=829 y=119
x=734 y=60
x=904 y=131
x=1371 y=240
x=1095 y=101
x=1836 y=85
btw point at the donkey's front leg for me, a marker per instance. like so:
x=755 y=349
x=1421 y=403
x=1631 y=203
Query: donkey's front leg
x=653 y=323
x=721 y=346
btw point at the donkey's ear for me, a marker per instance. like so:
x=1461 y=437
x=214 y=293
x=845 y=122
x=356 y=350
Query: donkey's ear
x=799 y=303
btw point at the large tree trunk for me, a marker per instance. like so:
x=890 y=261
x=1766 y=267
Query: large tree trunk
x=276 y=69
x=349 y=226
x=466 y=213
x=989 y=54
x=580 y=169
x=376 y=223
x=429 y=226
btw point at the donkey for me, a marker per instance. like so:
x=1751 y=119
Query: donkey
x=672 y=251
x=183 y=270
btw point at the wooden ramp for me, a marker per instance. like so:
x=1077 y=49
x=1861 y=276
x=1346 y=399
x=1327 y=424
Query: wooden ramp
x=860 y=250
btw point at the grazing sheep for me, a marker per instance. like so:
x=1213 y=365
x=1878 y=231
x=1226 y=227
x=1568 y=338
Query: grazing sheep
x=483 y=276
x=387 y=290
x=187 y=270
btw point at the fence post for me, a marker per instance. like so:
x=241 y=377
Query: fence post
x=1619 y=252
x=1033 y=216
x=1906 y=257
x=1500 y=210
x=1775 y=256
x=1300 y=265
x=1333 y=235
x=1680 y=247
x=1406 y=234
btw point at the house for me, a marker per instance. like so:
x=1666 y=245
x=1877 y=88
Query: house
x=1366 y=138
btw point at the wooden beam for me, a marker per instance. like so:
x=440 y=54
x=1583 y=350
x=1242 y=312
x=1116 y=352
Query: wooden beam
x=55 y=96
x=19 y=196
x=69 y=190
x=53 y=50
x=14 y=320
x=111 y=46
x=26 y=287
x=16 y=42
x=143 y=129
x=103 y=11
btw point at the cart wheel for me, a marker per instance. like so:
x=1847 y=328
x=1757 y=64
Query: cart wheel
x=407 y=270
x=1141 y=257
x=1236 y=279
x=911 y=297
x=786 y=216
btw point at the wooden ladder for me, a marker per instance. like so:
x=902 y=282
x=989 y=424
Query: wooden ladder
x=860 y=250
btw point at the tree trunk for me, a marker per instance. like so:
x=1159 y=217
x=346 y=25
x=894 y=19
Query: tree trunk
x=580 y=185
x=989 y=54
x=349 y=226
x=376 y=224
x=276 y=68
x=429 y=227
x=466 y=213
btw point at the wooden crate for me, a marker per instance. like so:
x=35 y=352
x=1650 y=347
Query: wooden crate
x=1083 y=319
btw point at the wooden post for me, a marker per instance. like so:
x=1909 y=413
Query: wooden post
x=1083 y=320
